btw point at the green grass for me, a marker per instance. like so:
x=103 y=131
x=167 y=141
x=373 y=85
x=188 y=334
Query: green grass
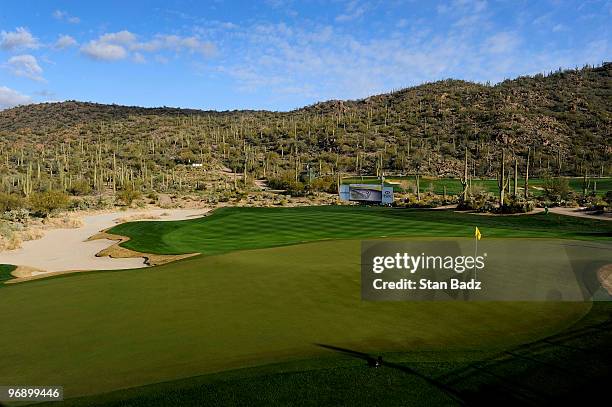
x=453 y=185
x=230 y=229
x=266 y=309
x=5 y=272
x=563 y=368
x=103 y=331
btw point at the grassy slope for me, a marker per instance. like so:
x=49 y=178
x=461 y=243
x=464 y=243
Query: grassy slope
x=557 y=370
x=453 y=186
x=230 y=229
x=102 y=331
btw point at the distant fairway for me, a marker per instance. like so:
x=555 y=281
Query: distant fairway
x=453 y=185
x=234 y=308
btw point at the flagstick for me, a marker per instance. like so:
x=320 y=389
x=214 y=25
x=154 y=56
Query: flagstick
x=475 y=254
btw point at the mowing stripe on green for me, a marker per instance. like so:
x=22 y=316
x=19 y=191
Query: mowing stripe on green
x=230 y=229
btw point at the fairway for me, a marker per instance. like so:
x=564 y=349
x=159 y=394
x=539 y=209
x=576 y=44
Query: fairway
x=230 y=229
x=272 y=286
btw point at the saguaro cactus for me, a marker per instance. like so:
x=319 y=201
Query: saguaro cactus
x=515 y=176
x=502 y=180
x=526 y=187
x=464 y=179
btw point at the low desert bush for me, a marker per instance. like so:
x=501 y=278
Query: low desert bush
x=45 y=203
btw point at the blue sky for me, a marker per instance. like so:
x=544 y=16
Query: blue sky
x=279 y=54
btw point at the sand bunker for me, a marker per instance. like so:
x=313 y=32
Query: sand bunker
x=62 y=250
x=604 y=275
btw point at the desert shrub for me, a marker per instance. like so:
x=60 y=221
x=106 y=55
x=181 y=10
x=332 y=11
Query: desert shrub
x=516 y=205
x=596 y=203
x=557 y=189
x=128 y=195
x=9 y=202
x=103 y=202
x=406 y=185
x=479 y=201
x=6 y=230
x=45 y=203
x=89 y=203
x=79 y=188
x=428 y=200
x=16 y=215
x=324 y=184
x=78 y=204
x=288 y=183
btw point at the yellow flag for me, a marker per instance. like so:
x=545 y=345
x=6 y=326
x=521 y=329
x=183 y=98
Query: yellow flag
x=477 y=233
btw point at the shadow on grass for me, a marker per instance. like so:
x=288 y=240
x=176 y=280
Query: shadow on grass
x=372 y=362
x=569 y=367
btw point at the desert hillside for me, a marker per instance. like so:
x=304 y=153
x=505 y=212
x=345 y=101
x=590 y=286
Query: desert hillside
x=563 y=119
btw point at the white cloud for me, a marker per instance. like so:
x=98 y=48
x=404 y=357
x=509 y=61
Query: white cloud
x=559 y=28
x=161 y=59
x=20 y=38
x=10 y=98
x=122 y=38
x=279 y=60
x=402 y=23
x=103 y=51
x=119 y=45
x=64 y=16
x=110 y=46
x=65 y=41
x=177 y=43
x=353 y=11
x=502 y=42
x=139 y=58
x=455 y=6
x=26 y=66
